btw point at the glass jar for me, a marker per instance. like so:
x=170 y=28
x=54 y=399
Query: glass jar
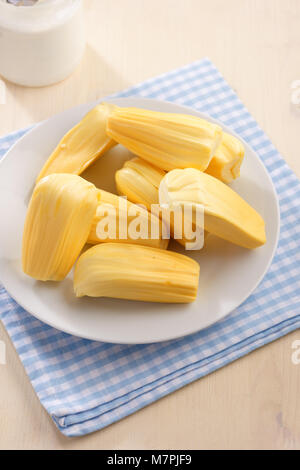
x=41 y=44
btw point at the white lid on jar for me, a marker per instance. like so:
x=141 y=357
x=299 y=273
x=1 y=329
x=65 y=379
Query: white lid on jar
x=44 y=14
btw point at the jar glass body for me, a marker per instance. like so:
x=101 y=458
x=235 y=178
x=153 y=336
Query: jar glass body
x=41 y=44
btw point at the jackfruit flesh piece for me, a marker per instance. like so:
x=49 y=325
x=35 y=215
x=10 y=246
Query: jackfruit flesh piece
x=121 y=217
x=82 y=145
x=57 y=225
x=166 y=140
x=226 y=162
x=140 y=181
x=136 y=272
x=226 y=214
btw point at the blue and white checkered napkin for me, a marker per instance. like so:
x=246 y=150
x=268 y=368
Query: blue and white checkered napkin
x=86 y=385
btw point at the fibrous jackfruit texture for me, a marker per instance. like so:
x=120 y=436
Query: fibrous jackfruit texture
x=226 y=162
x=82 y=145
x=166 y=140
x=119 y=220
x=226 y=214
x=57 y=225
x=139 y=181
x=136 y=272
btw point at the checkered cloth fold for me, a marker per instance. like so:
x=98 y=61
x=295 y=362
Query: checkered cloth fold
x=86 y=385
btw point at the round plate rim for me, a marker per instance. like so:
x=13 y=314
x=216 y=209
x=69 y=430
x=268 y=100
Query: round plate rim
x=183 y=108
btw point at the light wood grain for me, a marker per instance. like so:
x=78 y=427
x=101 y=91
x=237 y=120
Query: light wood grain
x=254 y=402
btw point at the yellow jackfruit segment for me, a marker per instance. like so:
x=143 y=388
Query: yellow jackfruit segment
x=166 y=140
x=82 y=145
x=136 y=272
x=118 y=218
x=226 y=162
x=139 y=181
x=226 y=214
x=57 y=225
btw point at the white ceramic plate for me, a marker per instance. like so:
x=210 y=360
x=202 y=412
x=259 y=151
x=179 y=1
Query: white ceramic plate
x=228 y=273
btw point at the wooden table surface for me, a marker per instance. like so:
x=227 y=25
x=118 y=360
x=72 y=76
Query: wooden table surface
x=254 y=402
